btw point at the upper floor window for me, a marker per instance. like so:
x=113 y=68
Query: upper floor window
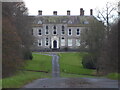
x=39 y=32
x=47 y=32
x=46 y=27
x=46 y=42
x=69 y=32
x=54 y=27
x=40 y=42
x=78 y=32
x=63 y=30
x=54 y=31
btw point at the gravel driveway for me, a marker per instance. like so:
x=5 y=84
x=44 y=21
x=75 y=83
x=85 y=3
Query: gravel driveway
x=57 y=82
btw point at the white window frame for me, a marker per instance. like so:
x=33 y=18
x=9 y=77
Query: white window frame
x=71 y=32
x=62 y=41
x=38 y=31
x=77 y=42
x=40 y=41
x=46 y=31
x=63 y=30
x=46 y=41
x=39 y=22
x=54 y=29
x=79 y=32
x=70 y=44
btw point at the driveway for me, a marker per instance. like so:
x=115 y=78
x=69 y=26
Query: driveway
x=57 y=82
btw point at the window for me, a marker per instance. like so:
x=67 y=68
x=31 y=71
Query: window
x=69 y=32
x=47 y=31
x=77 y=42
x=69 y=42
x=39 y=22
x=54 y=27
x=78 y=32
x=46 y=27
x=62 y=41
x=39 y=32
x=46 y=42
x=54 y=31
x=40 y=42
x=63 y=30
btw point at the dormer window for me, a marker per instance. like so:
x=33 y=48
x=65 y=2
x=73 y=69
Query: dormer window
x=86 y=22
x=69 y=22
x=39 y=22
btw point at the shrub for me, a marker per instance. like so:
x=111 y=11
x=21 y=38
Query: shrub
x=89 y=61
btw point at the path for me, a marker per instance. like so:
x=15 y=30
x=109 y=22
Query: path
x=57 y=82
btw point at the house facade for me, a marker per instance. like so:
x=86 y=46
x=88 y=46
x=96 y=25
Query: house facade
x=57 y=32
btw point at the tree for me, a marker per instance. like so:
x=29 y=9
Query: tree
x=92 y=39
x=93 y=36
x=107 y=15
x=108 y=61
x=16 y=36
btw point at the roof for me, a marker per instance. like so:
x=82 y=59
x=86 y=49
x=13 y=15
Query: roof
x=56 y=19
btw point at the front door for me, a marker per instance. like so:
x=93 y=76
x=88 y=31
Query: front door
x=55 y=44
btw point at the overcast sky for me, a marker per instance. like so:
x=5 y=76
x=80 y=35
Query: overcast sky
x=61 y=6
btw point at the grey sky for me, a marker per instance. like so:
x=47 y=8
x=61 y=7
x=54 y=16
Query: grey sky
x=48 y=6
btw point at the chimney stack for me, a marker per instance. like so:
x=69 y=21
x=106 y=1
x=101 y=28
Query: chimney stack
x=54 y=12
x=91 y=12
x=68 y=12
x=81 y=12
x=39 y=12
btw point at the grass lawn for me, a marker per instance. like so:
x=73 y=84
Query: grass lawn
x=115 y=76
x=39 y=62
x=70 y=63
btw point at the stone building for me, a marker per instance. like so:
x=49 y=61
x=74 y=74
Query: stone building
x=59 y=32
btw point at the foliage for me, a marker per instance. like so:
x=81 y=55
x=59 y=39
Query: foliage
x=39 y=62
x=71 y=63
x=93 y=36
x=16 y=36
x=108 y=15
x=108 y=61
x=89 y=61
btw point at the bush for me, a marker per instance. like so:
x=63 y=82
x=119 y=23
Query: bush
x=89 y=61
x=28 y=55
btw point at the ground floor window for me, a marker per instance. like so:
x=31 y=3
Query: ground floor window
x=69 y=42
x=77 y=42
x=62 y=41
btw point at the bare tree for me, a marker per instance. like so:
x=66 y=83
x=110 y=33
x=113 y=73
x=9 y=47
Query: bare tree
x=107 y=15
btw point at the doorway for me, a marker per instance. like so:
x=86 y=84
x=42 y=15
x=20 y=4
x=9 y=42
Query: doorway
x=55 y=44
